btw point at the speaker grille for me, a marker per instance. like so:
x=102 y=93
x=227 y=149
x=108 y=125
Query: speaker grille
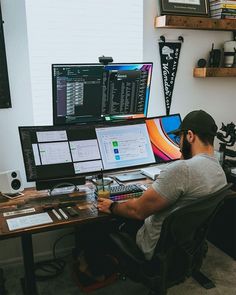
x=13 y=174
x=15 y=184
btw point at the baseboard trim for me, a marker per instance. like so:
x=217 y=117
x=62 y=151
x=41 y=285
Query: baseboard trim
x=37 y=257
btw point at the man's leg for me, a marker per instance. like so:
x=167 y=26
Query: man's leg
x=94 y=244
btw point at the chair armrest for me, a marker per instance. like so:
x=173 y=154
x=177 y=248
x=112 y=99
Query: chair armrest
x=128 y=247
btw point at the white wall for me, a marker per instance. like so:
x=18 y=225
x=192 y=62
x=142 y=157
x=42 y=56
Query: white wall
x=13 y=12
x=39 y=33
x=78 y=31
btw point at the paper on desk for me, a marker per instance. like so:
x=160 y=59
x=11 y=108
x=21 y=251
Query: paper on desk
x=28 y=221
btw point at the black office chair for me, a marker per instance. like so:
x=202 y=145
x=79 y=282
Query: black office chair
x=180 y=250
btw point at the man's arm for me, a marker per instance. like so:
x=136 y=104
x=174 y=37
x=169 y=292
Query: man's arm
x=149 y=203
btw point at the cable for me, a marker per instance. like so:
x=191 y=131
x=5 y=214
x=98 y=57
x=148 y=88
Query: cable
x=49 y=269
x=55 y=244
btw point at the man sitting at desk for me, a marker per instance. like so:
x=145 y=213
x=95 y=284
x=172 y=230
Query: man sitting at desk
x=198 y=173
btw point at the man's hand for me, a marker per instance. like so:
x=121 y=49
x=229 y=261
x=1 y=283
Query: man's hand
x=104 y=204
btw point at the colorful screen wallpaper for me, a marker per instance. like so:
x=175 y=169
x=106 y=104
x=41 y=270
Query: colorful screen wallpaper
x=165 y=146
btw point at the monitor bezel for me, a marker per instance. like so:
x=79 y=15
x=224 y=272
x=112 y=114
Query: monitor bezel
x=56 y=120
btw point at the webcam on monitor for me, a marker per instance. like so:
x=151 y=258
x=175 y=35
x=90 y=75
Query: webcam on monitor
x=105 y=60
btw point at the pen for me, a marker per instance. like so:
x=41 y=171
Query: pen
x=56 y=214
x=63 y=213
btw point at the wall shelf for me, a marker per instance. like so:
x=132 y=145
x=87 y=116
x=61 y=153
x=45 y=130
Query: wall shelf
x=214 y=72
x=194 y=22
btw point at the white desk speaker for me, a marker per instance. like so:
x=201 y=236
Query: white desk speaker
x=10 y=182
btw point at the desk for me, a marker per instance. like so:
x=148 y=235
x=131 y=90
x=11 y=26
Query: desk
x=26 y=234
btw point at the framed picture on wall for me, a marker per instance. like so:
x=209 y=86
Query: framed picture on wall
x=184 y=7
x=5 y=99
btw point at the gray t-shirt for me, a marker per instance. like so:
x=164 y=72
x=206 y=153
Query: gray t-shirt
x=180 y=182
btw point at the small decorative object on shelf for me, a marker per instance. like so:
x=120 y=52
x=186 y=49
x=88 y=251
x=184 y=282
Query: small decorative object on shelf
x=214 y=67
x=214 y=58
x=229 y=53
x=184 y=7
x=201 y=63
x=234 y=64
x=227 y=137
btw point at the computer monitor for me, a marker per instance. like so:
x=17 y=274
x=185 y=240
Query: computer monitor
x=59 y=154
x=66 y=154
x=125 y=146
x=165 y=146
x=93 y=92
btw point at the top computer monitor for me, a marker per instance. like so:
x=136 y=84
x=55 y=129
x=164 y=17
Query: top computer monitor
x=165 y=145
x=94 y=92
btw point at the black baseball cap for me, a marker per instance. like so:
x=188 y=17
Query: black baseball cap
x=199 y=122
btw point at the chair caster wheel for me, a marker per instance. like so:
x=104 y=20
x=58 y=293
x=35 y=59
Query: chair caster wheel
x=122 y=277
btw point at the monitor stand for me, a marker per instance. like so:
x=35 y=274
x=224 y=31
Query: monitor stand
x=130 y=176
x=60 y=185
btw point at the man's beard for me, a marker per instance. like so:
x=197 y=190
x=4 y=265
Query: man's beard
x=186 y=149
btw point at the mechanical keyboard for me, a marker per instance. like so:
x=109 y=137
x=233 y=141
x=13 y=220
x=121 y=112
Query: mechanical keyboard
x=125 y=192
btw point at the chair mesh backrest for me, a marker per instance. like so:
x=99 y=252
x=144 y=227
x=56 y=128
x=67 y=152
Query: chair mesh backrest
x=187 y=225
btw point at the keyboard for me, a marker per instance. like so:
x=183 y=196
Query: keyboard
x=125 y=192
x=28 y=221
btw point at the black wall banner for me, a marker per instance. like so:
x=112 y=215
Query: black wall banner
x=169 y=54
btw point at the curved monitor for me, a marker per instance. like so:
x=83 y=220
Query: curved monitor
x=94 y=92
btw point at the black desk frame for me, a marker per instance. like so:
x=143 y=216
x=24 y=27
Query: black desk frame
x=29 y=282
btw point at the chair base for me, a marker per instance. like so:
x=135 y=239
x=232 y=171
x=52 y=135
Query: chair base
x=203 y=280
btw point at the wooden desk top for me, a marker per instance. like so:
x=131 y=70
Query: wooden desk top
x=85 y=204
x=41 y=202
